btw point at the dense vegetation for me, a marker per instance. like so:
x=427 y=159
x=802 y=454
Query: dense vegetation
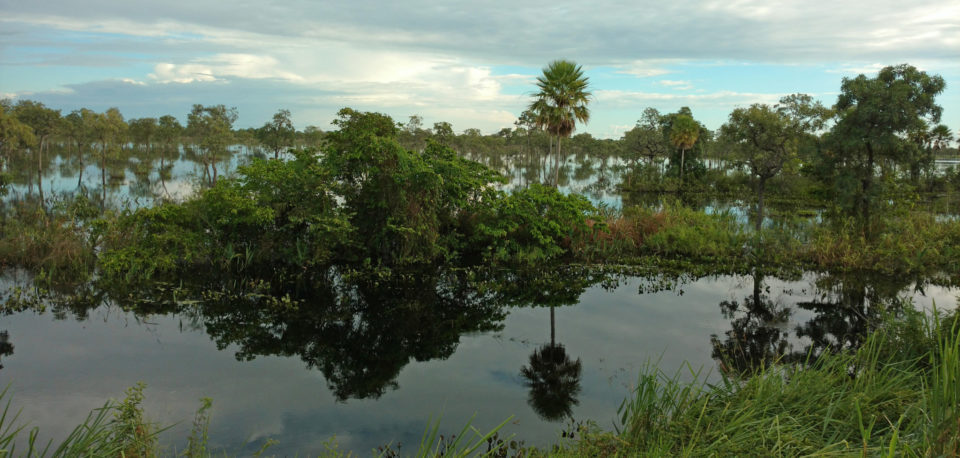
x=465 y=225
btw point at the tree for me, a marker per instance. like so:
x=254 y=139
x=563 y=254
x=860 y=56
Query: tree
x=683 y=134
x=212 y=129
x=876 y=117
x=313 y=136
x=169 y=131
x=765 y=139
x=443 y=132
x=645 y=139
x=14 y=135
x=109 y=128
x=561 y=102
x=278 y=133
x=143 y=131
x=44 y=122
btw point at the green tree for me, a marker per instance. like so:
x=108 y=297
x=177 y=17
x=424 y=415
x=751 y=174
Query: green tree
x=312 y=136
x=15 y=137
x=44 y=122
x=143 y=131
x=443 y=132
x=109 y=129
x=875 y=119
x=684 y=132
x=278 y=133
x=644 y=140
x=169 y=131
x=561 y=102
x=406 y=206
x=766 y=140
x=212 y=130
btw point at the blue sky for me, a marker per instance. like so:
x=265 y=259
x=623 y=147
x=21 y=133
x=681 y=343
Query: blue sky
x=469 y=64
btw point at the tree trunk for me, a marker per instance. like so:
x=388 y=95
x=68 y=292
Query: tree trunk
x=40 y=169
x=761 y=187
x=103 y=176
x=682 y=157
x=867 y=183
x=556 y=171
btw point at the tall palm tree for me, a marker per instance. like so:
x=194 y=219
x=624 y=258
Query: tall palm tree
x=561 y=102
x=683 y=134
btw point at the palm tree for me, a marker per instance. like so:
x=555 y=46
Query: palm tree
x=683 y=134
x=561 y=102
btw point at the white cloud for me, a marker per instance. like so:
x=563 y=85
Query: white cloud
x=182 y=73
x=644 y=69
x=676 y=84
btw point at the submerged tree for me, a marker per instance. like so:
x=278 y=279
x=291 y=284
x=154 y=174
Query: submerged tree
x=278 y=133
x=561 y=102
x=212 y=129
x=875 y=119
x=684 y=132
x=44 y=122
x=766 y=140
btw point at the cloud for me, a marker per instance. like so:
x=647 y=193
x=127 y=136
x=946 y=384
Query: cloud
x=599 y=33
x=436 y=59
x=676 y=84
x=222 y=65
x=644 y=69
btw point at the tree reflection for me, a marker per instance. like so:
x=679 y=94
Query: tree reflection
x=6 y=348
x=551 y=375
x=756 y=338
x=554 y=381
x=358 y=331
x=848 y=306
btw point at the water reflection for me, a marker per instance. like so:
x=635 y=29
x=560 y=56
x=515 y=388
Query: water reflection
x=6 y=348
x=554 y=381
x=839 y=312
x=472 y=334
x=757 y=337
x=847 y=306
x=359 y=331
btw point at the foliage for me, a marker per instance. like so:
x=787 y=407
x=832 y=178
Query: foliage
x=278 y=133
x=877 y=119
x=533 y=225
x=561 y=102
x=273 y=214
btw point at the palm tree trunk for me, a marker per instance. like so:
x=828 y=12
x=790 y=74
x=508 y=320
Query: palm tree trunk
x=682 y=157
x=556 y=171
x=553 y=327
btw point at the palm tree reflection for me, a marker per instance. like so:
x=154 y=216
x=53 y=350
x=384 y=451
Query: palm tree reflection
x=6 y=348
x=553 y=379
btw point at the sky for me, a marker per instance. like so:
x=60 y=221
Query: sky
x=472 y=64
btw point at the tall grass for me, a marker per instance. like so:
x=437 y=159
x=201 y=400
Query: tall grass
x=895 y=395
x=114 y=430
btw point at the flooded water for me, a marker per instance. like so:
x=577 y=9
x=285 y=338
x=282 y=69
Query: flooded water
x=372 y=365
x=381 y=379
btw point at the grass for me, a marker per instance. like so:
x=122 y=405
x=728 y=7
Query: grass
x=896 y=395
